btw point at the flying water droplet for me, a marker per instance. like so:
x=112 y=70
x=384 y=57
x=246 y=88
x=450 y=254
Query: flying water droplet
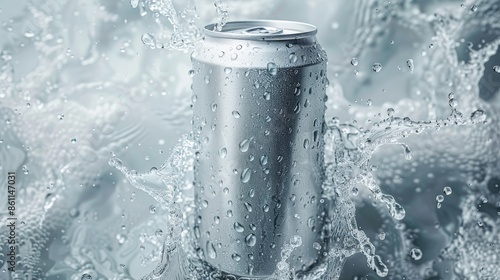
x=377 y=67
x=134 y=3
x=149 y=40
x=410 y=65
x=447 y=190
x=354 y=61
x=496 y=68
x=416 y=254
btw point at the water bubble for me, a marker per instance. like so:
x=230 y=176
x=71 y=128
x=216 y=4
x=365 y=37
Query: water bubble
x=272 y=68
x=250 y=240
x=149 y=39
x=354 y=61
x=245 y=175
x=377 y=67
x=222 y=152
x=410 y=65
x=496 y=68
x=416 y=254
x=236 y=114
x=292 y=58
x=447 y=190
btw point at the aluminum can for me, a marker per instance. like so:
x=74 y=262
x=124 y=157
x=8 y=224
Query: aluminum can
x=258 y=114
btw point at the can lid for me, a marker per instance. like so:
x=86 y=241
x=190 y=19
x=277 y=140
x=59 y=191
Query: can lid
x=272 y=30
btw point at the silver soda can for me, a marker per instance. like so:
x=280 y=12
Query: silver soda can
x=258 y=113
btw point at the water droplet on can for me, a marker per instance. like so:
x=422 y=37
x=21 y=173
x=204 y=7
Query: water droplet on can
x=272 y=68
x=251 y=240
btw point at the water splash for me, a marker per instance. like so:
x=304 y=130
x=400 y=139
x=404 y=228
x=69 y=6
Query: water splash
x=73 y=206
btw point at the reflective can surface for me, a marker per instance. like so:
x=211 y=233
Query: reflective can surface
x=259 y=103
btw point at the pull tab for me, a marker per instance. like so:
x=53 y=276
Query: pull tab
x=259 y=30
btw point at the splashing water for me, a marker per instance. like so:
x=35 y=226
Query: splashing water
x=415 y=127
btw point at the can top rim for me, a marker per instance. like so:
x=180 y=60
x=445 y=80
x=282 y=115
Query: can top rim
x=272 y=30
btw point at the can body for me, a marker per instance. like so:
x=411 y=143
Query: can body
x=258 y=113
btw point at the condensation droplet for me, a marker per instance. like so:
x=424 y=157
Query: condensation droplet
x=222 y=152
x=245 y=175
x=272 y=68
x=236 y=257
x=250 y=240
x=245 y=145
x=210 y=249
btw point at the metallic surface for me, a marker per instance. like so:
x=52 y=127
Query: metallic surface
x=259 y=114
